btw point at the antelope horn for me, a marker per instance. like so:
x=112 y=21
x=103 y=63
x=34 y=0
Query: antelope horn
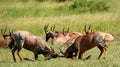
x=5 y=29
x=85 y=28
x=63 y=30
x=54 y=27
x=52 y=49
x=89 y=27
x=45 y=28
x=11 y=30
x=68 y=29
x=2 y=31
x=61 y=51
x=51 y=28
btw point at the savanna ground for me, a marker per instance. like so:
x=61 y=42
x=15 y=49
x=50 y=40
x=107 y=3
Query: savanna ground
x=32 y=15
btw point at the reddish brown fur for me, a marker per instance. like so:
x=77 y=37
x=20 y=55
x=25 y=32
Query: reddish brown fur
x=3 y=44
x=64 y=37
x=85 y=43
x=71 y=36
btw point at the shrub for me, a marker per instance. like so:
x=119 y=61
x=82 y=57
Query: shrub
x=91 y=6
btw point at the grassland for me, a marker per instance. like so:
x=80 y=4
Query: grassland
x=31 y=15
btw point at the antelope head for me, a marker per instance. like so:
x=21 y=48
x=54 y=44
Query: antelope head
x=4 y=34
x=53 y=54
x=49 y=33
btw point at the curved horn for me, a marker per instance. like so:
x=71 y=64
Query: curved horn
x=10 y=31
x=85 y=28
x=52 y=49
x=51 y=28
x=54 y=27
x=63 y=30
x=68 y=29
x=45 y=28
x=61 y=51
x=89 y=27
x=3 y=31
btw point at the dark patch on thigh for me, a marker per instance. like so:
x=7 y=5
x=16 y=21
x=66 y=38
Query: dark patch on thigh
x=99 y=40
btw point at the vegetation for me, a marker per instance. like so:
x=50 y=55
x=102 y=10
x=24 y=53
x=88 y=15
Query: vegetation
x=32 y=15
x=89 y=6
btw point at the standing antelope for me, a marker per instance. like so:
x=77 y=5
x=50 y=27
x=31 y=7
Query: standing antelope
x=64 y=37
x=24 y=39
x=87 y=42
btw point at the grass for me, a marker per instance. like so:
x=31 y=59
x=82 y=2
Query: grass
x=31 y=15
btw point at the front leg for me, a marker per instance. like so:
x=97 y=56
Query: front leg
x=13 y=53
x=36 y=55
x=80 y=56
x=75 y=55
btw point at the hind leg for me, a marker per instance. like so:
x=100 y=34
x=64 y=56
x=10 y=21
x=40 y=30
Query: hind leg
x=106 y=51
x=100 y=44
x=99 y=41
x=102 y=51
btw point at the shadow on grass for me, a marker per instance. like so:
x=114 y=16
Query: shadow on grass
x=5 y=62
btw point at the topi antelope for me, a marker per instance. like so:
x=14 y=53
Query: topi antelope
x=4 y=42
x=87 y=42
x=56 y=36
x=64 y=37
x=24 y=39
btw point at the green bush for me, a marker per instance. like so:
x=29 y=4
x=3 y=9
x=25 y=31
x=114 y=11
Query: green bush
x=91 y=6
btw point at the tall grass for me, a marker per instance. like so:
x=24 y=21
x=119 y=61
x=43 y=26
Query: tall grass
x=31 y=15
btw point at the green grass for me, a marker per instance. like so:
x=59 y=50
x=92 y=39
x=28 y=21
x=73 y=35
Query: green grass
x=31 y=15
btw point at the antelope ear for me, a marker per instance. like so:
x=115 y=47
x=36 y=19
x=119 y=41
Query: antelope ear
x=85 y=28
x=46 y=28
